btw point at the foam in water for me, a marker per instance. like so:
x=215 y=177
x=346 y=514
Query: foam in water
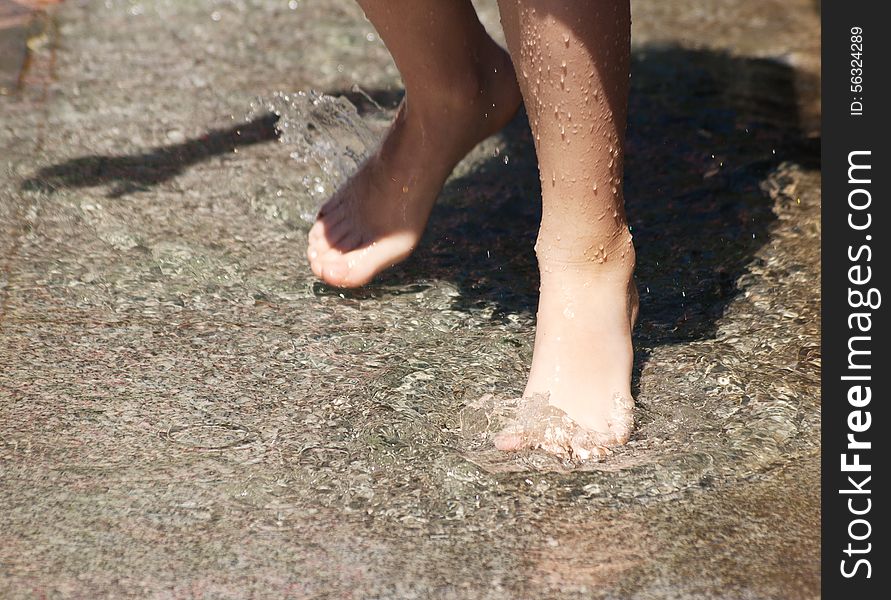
x=533 y=423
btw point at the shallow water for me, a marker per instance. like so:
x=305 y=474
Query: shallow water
x=715 y=422
x=182 y=400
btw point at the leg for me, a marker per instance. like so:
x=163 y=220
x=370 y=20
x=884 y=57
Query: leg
x=572 y=61
x=459 y=89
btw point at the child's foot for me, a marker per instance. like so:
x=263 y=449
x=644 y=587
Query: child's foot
x=582 y=360
x=377 y=218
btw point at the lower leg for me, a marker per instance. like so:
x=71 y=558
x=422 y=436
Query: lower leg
x=572 y=63
x=459 y=89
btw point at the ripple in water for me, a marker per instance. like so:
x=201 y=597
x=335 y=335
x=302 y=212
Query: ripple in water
x=704 y=416
x=674 y=445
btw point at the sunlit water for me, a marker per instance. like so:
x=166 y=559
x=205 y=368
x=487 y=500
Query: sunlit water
x=187 y=375
x=703 y=413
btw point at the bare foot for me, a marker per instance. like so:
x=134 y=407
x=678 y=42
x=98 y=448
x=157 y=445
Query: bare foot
x=377 y=218
x=582 y=361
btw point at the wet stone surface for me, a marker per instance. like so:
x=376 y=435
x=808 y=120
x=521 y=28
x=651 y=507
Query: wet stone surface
x=185 y=412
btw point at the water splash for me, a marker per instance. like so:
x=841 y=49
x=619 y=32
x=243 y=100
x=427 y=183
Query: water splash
x=325 y=134
x=537 y=432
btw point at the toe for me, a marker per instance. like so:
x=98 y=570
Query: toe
x=337 y=232
x=361 y=267
x=350 y=242
x=313 y=250
x=348 y=269
x=329 y=225
x=585 y=446
x=330 y=206
x=554 y=432
x=315 y=263
x=622 y=420
x=322 y=233
x=316 y=234
x=366 y=261
x=333 y=268
x=510 y=440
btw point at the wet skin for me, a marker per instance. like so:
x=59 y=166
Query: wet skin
x=572 y=73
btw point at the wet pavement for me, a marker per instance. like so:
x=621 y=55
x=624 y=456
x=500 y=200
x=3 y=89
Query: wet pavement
x=185 y=412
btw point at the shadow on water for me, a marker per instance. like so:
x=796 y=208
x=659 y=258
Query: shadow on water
x=705 y=129
x=139 y=172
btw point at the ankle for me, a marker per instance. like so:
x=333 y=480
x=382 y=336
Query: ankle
x=615 y=260
x=482 y=85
